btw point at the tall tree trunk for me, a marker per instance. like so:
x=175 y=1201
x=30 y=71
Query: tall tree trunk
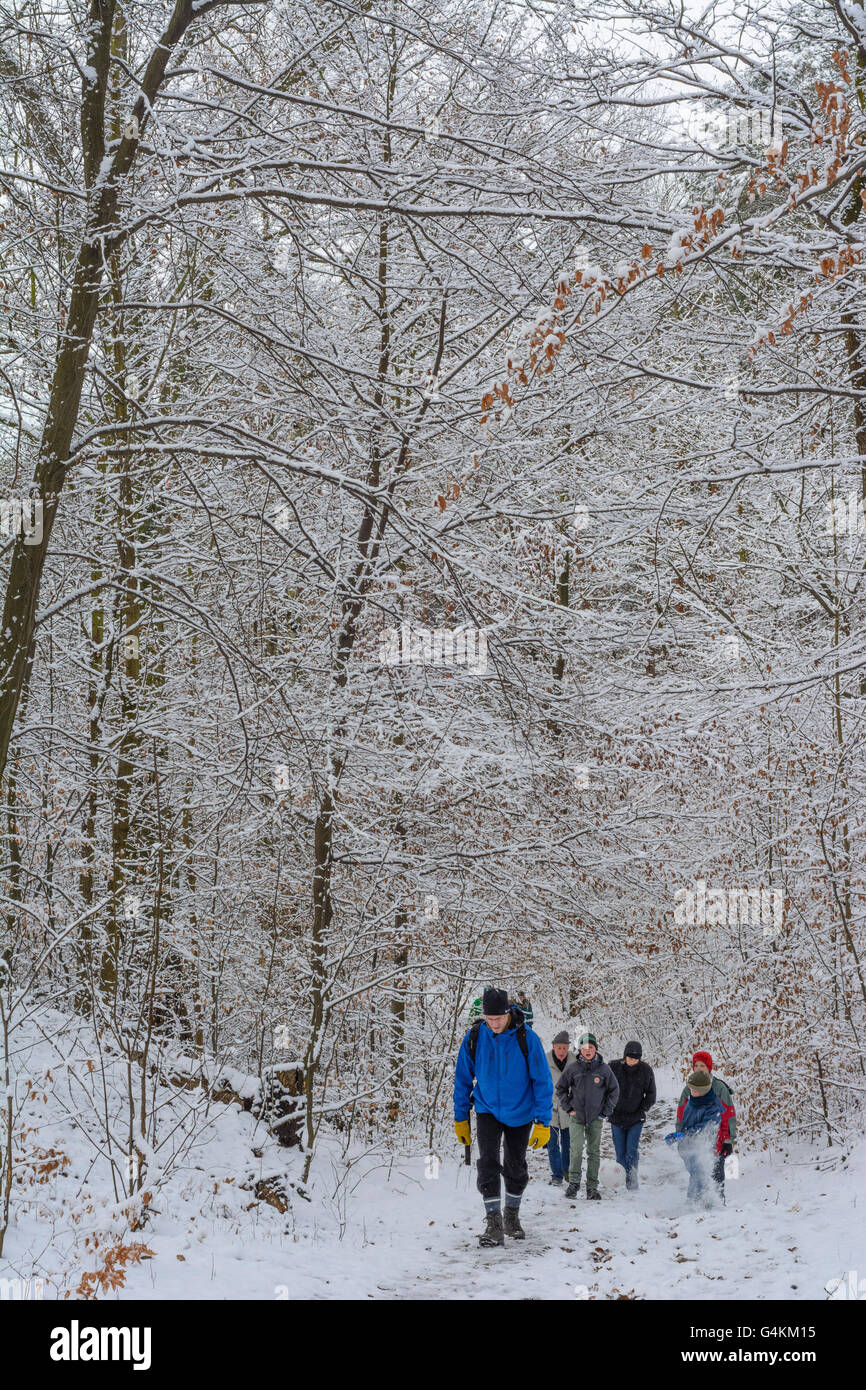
x=101 y=237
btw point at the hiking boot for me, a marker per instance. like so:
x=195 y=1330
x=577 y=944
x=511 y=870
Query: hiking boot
x=572 y=1189
x=493 y=1232
x=512 y=1224
x=555 y=1182
x=631 y=1181
x=593 y=1194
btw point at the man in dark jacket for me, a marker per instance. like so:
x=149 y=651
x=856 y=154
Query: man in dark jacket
x=508 y=1081
x=637 y=1092
x=588 y=1092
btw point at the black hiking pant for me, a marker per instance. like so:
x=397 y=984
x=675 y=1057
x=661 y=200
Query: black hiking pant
x=719 y=1174
x=492 y=1135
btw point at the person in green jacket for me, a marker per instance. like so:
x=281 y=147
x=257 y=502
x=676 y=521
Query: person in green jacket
x=525 y=1007
x=475 y=1010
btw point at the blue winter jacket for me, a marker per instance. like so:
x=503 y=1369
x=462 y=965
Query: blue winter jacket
x=504 y=1085
x=700 y=1112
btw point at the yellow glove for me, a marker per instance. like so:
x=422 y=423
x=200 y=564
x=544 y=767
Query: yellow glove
x=463 y=1131
x=539 y=1136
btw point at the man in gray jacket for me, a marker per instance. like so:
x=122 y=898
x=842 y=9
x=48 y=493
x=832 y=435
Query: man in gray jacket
x=588 y=1091
x=559 y=1057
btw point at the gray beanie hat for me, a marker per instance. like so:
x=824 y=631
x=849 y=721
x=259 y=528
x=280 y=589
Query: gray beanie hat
x=561 y=1038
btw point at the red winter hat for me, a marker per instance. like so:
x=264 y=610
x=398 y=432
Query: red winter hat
x=705 y=1058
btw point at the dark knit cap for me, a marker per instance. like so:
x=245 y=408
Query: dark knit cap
x=633 y=1049
x=587 y=1038
x=561 y=1038
x=699 y=1081
x=495 y=1001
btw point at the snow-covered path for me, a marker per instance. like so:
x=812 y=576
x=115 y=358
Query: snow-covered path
x=638 y=1245
x=394 y=1233
x=387 y=1227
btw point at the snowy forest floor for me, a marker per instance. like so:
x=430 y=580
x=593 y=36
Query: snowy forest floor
x=377 y=1226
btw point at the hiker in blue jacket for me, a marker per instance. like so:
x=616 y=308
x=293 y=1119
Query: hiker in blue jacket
x=503 y=1072
x=702 y=1130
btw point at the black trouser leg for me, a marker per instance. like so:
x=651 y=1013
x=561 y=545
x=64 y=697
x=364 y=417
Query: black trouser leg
x=514 y=1169
x=719 y=1174
x=490 y=1134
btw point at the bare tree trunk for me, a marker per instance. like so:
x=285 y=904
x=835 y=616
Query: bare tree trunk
x=7 y=1117
x=102 y=236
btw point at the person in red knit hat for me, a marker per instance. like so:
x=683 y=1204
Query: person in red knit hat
x=703 y=1062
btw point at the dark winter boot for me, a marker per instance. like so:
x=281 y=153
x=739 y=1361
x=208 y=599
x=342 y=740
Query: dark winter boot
x=593 y=1194
x=555 y=1182
x=493 y=1233
x=512 y=1223
x=572 y=1189
x=631 y=1181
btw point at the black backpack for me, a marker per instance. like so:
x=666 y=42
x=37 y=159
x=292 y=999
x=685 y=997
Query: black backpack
x=521 y=1039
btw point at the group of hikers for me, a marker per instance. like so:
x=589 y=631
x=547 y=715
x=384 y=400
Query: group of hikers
x=524 y=1097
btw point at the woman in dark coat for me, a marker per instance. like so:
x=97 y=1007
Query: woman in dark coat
x=637 y=1092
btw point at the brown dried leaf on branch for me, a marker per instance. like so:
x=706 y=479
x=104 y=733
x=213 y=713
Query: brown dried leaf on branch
x=112 y=1275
